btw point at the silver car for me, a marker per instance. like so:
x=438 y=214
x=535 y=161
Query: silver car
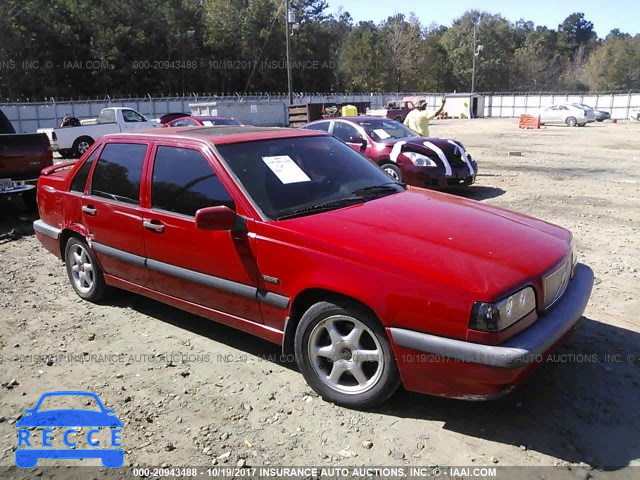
x=569 y=114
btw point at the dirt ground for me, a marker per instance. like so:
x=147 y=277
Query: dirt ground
x=192 y=392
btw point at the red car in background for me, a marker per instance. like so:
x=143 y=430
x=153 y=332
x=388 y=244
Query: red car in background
x=290 y=235
x=202 y=122
x=402 y=153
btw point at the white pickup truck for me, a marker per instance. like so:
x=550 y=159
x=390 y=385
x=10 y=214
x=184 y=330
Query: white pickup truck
x=74 y=141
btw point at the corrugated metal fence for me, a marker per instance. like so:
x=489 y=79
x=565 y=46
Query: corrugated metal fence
x=513 y=105
x=28 y=117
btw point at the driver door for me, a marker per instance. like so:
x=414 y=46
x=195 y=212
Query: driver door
x=215 y=269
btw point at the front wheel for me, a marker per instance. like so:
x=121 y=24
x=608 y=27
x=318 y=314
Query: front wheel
x=571 y=121
x=84 y=272
x=393 y=171
x=345 y=355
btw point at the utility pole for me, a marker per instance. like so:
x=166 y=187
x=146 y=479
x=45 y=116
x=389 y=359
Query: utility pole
x=476 y=52
x=288 y=35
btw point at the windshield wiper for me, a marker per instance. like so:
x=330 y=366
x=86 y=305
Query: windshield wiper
x=390 y=187
x=322 y=207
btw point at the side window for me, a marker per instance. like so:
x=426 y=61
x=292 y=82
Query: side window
x=323 y=127
x=131 y=116
x=80 y=180
x=344 y=131
x=117 y=173
x=184 y=182
x=107 y=116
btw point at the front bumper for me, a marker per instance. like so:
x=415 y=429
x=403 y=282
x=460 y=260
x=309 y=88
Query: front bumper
x=456 y=368
x=425 y=177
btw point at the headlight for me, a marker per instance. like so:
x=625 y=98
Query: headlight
x=492 y=317
x=419 y=160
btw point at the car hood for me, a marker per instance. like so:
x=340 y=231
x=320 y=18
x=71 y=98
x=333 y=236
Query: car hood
x=69 y=418
x=438 y=238
x=418 y=142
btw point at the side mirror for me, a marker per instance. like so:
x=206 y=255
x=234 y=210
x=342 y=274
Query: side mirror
x=358 y=141
x=216 y=218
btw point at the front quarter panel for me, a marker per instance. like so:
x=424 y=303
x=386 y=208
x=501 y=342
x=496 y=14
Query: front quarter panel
x=301 y=263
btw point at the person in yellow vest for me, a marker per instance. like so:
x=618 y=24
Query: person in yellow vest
x=418 y=119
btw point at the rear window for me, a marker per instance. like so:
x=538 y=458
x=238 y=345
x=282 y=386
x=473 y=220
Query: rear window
x=322 y=127
x=117 y=173
x=80 y=180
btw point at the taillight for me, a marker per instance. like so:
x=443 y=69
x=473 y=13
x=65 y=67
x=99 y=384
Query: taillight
x=54 y=137
x=48 y=156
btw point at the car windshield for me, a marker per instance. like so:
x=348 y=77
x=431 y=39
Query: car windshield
x=289 y=177
x=69 y=402
x=381 y=130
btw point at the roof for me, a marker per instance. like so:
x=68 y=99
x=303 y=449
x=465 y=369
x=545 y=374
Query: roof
x=222 y=134
x=359 y=118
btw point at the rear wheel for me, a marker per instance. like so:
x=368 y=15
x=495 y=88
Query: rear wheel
x=393 y=171
x=83 y=270
x=81 y=145
x=571 y=121
x=344 y=354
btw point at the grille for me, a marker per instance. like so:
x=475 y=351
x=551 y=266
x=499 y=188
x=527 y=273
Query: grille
x=556 y=283
x=455 y=159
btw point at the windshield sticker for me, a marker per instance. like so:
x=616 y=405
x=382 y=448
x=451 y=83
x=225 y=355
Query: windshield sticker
x=286 y=169
x=381 y=133
x=208 y=123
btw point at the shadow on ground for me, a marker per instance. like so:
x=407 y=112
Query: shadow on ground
x=477 y=192
x=15 y=219
x=581 y=406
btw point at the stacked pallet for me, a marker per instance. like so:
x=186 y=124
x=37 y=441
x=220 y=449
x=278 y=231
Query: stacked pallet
x=303 y=113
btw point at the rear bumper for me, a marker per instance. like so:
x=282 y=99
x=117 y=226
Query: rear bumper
x=455 y=368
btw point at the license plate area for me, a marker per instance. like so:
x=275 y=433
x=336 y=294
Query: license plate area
x=8 y=184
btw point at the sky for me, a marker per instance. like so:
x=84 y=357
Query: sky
x=604 y=14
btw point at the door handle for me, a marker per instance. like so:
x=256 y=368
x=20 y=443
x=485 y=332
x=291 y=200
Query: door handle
x=89 y=210
x=153 y=225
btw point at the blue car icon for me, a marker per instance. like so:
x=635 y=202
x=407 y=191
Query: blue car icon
x=105 y=418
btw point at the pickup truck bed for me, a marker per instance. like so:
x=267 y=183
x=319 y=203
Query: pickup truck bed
x=22 y=157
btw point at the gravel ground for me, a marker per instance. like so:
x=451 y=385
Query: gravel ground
x=192 y=392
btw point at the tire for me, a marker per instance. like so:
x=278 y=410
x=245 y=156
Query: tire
x=81 y=145
x=29 y=198
x=84 y=272
x=398 y=118
x=330 y=363
x=393 y=171
x=571 y=121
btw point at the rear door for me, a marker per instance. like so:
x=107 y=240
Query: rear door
x=215 y=269
x=111 y=211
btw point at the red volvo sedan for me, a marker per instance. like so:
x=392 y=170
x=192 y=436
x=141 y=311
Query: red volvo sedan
x=290 y=235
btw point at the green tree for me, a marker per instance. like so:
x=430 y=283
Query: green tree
x=615 y=65
x=494 y=66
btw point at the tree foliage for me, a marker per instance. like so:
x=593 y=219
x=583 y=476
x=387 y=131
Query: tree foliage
x=80 y=48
